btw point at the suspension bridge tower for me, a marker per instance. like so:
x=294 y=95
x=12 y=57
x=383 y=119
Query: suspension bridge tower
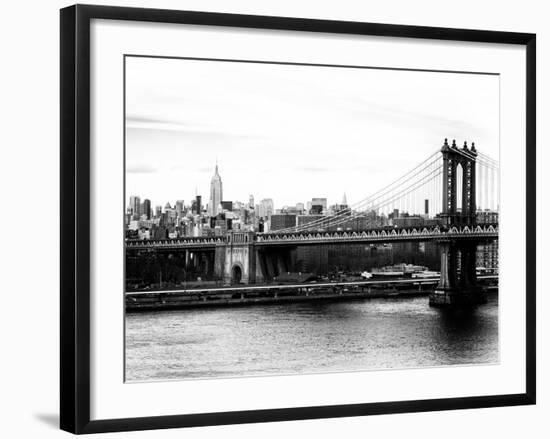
x=458 y=282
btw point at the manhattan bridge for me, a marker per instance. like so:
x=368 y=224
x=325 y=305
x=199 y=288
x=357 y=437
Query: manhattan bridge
x=456 y=182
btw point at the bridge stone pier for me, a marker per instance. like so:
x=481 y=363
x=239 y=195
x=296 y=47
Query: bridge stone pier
x=458 y=282
x=235 y=259
x=240 y=260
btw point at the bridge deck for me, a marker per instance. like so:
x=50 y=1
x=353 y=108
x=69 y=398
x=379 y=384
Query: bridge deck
x=480 y=232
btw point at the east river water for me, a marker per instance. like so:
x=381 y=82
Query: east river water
x=306 y=338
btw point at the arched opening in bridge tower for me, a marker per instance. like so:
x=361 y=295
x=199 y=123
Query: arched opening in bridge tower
x=236 y=274
x=458 y=188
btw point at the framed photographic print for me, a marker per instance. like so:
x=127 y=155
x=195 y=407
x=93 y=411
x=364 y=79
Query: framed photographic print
x=273 y=218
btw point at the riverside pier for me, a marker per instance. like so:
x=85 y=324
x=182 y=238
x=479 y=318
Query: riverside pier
x=269 y=294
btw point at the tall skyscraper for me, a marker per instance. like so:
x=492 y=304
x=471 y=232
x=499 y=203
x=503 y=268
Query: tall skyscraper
x=196 y=206
x=251 y=201
x=266 y=208
x=135 y=205
x=216 y=193
x=318 y=206
x=146 y=208
x=342 y=206
x=179 y=208
x=319 y=202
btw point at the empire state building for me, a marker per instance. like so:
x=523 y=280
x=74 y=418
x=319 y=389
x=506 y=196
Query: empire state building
x=216 y=194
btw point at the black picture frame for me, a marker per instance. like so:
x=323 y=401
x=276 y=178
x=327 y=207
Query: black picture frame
x=75 y=217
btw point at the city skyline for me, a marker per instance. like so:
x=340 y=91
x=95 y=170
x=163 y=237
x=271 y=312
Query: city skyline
x=207 y=205
x=177 y=129
x=419 y=207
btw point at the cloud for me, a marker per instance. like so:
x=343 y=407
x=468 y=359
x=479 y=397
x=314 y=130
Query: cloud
x=136 y=118
x=162 y=146
x=141 y=169
x=143 y=123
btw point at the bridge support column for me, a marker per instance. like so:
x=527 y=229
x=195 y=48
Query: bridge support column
x=261 y=270
x=270 y=271
x=240 y=259
x=458 y=281
x=281 y=263
x=219 y=262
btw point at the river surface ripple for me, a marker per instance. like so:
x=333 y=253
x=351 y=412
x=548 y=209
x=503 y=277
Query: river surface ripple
x=311 y=337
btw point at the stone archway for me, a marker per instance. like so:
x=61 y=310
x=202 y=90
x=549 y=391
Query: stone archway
x=236 y=274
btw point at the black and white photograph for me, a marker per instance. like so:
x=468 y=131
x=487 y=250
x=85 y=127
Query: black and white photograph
x=275 y=219
x=287 y=218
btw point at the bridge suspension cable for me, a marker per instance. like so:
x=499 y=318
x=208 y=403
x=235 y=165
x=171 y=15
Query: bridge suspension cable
x=422 y=184
x=390 y=201
x=369 y=202
x=373 y=201
x=487 y=189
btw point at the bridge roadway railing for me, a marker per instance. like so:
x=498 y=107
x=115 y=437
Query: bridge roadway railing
x=191 y=242
x=485 y=231
x=479 y=232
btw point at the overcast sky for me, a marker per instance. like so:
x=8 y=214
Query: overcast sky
x=292 y=132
